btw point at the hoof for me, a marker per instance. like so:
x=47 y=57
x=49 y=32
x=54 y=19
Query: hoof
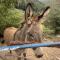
x=24 y=54
x=39 y=56
x=25 y=58
x=19 y=58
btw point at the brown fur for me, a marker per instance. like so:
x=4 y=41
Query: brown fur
x=30 y=32
x=9 y=33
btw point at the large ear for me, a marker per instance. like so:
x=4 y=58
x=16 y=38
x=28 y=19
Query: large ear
x=44 y=13
x=28 y=11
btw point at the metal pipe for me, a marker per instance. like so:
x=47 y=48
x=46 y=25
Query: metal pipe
x=14 y=47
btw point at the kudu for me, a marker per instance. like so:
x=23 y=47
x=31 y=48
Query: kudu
x=30 y=31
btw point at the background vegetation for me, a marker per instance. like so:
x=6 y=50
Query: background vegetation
x=12 y=13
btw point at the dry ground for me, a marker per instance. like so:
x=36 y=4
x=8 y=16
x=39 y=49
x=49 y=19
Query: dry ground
x=50 y=53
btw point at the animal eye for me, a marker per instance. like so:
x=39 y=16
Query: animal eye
x=30 y=34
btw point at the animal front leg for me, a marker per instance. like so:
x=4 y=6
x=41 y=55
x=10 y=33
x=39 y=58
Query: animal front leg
x=21 y=54
x=26 y=38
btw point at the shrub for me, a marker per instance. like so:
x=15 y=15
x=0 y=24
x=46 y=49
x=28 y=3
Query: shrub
x=13 y=17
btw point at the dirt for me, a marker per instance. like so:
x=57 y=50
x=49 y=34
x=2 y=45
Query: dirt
x=50 y=53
